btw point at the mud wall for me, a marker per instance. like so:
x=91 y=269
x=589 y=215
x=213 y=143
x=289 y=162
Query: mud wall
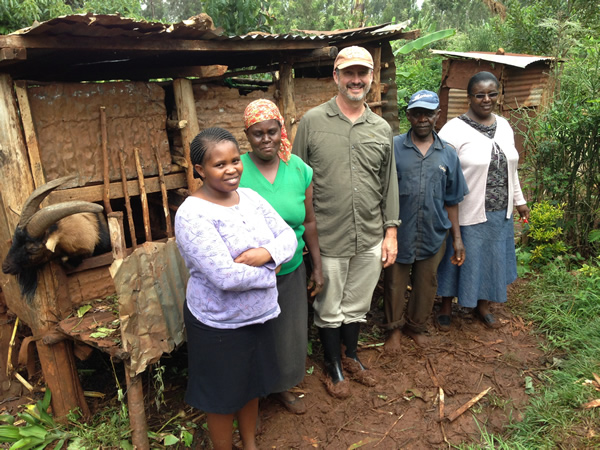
x=222 y=106
x=67 y=122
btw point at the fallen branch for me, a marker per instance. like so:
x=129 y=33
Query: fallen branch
x=23 y=381
x=452 y=417
x=441 y=403
x=389 y=429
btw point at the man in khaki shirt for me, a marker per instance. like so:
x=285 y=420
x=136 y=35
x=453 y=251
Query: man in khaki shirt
x=355 y=198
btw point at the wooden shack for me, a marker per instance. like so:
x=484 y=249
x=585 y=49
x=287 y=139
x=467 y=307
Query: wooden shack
x=116 y=102
x=526 y=83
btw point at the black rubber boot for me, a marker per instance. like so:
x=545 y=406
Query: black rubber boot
x=331 y=341
x=349 y=333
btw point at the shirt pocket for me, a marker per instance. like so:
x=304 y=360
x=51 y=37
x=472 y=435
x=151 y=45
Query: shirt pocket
x=373 y=154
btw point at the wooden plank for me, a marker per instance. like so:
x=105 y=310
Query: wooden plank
x=105 y=161
x=33 y=148
x=117 y=234
x=16 y=184
x=91 y=284
x=94 y=193
x=10 y=55
x=82 y=328
x=288 y=102
x=83 y=43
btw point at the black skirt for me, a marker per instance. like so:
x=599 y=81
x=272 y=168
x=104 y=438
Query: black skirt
x=228 y=367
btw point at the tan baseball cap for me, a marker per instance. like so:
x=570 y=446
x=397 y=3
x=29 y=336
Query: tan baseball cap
x=351 y=56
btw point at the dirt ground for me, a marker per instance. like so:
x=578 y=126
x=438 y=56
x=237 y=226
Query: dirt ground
x=403 y=409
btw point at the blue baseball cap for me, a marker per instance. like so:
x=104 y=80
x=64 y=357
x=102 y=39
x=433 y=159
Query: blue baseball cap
x=424 y=99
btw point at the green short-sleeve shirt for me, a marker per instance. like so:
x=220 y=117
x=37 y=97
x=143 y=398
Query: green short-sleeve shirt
x=286 y=195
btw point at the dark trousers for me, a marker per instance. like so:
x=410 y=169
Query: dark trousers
x=415 y=310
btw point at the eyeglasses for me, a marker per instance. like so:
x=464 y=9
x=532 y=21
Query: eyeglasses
x=491 y=95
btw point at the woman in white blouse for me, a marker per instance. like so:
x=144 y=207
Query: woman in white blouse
x=486 y=148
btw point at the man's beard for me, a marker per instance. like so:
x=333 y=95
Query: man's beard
x=355 y=98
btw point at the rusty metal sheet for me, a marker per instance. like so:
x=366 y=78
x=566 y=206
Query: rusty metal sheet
x=457 y=103
x=508 y=59
x=66 y=117
x=151 y=286
x=525 y=88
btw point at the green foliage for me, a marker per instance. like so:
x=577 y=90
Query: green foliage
x=565 y=307
x=545 y=233
x=563 y=143
x=39 y=430
x=16 y=14
x=239 y=17
x=293 y=15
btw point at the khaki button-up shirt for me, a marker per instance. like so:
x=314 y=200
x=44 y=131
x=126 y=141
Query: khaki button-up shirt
x=354 y=177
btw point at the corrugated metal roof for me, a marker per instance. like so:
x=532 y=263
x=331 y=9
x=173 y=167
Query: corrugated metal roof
x=509 y=59
x=113 y=25
x=88 y=47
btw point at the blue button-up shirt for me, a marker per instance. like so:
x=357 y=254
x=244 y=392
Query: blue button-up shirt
x=425 y=183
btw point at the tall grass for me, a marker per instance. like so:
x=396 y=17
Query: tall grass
x=565 y=306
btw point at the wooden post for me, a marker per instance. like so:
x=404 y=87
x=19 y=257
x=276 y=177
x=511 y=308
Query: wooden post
x=105 y=161
x=143 y=197
x=376 y=86
x=127 y=202
x=51 y=298
x=135 y=391
x=164 y=195
x=137 y=414
x=186 y=110
x=288 y=102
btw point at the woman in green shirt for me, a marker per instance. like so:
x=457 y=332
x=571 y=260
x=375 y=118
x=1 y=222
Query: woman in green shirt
x=285 y=181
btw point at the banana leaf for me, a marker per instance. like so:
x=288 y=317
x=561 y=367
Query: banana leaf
x=424 y=41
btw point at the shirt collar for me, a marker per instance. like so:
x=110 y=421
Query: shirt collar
x=334 y=110
x=437 y=142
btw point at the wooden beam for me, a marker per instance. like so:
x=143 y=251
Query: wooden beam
x=376 y=88
x=82 y=43
x=11 y=55
x=94 y=193
x=288 y=103
x=186 y=110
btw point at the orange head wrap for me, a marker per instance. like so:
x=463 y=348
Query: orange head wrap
x=261 y=110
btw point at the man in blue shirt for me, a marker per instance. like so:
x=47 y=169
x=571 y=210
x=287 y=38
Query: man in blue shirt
x=431 y=185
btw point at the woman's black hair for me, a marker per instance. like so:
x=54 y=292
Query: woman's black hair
x=205 y=140
x=482 y=76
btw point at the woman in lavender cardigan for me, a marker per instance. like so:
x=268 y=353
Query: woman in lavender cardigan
x=232 y=242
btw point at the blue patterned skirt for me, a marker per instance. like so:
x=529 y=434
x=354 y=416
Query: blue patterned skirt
x=490 y=262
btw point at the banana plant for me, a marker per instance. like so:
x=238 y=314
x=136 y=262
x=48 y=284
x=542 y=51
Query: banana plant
x=424 y=41
x=38 y=431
